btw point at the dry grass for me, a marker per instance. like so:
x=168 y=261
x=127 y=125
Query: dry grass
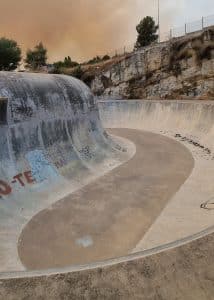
x=198 y=48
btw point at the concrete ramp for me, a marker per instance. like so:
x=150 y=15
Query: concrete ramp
x=52 y=143
x=191 y=123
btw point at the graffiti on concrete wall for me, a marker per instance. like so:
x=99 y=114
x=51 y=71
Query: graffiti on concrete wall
x=21 y=179
x=41 y=168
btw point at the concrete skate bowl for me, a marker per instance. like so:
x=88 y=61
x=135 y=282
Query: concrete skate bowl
x=86 y=214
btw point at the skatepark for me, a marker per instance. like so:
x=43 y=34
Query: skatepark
x=103 y=199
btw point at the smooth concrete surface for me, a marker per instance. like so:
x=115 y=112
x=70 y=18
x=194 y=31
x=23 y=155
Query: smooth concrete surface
x=190 y=123
x=52 y=143
x=182 y=269
x=107 y=218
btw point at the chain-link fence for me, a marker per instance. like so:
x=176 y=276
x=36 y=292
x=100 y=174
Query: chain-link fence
x=191 y=27
x=198 y=25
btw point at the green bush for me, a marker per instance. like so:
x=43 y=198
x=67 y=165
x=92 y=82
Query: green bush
x=10 y=54
x=37 y=58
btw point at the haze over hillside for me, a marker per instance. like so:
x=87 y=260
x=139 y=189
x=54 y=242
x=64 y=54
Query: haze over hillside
x=85 y=28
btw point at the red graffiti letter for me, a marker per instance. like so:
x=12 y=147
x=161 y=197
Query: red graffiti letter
x=18 y=178
x=5 y=189
x=28 y=176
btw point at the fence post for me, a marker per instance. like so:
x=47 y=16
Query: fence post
x=124 y=50
x=202 y=23
x=185 y=28
x=170 y=34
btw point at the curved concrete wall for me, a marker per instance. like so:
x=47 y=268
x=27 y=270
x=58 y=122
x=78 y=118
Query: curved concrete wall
x=191 y=123
x=52 y=143
x=190 y=118
x=50 y=119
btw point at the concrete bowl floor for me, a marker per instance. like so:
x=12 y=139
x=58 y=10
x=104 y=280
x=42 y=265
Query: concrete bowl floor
x=168 y=252
x=108 y=218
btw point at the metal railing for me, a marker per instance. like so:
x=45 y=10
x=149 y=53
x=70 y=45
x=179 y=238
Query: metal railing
x=191 y=27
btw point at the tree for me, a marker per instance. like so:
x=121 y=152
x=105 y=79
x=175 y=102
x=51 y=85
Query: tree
x=37 y=58
x=10 y=54
x=146 y=30
x=67 y=63
x=106 y=57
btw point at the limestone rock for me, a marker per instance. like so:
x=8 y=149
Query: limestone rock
x=180 y=68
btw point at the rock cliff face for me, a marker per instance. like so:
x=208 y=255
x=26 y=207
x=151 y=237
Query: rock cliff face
x=180 y=68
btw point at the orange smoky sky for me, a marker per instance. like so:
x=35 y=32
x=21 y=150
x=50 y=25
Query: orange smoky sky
x=79 y=28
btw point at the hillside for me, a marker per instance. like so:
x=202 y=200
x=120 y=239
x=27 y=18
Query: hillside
x=181 y=68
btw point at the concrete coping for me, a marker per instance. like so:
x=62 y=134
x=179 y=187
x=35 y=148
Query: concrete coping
x=109 y=262
x=201 y=102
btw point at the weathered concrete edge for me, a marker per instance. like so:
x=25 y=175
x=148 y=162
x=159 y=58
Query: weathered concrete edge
x=110 y=262
x=201 y=102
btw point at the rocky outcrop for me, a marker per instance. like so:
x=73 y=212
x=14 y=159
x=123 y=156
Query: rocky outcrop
x=180 y=68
